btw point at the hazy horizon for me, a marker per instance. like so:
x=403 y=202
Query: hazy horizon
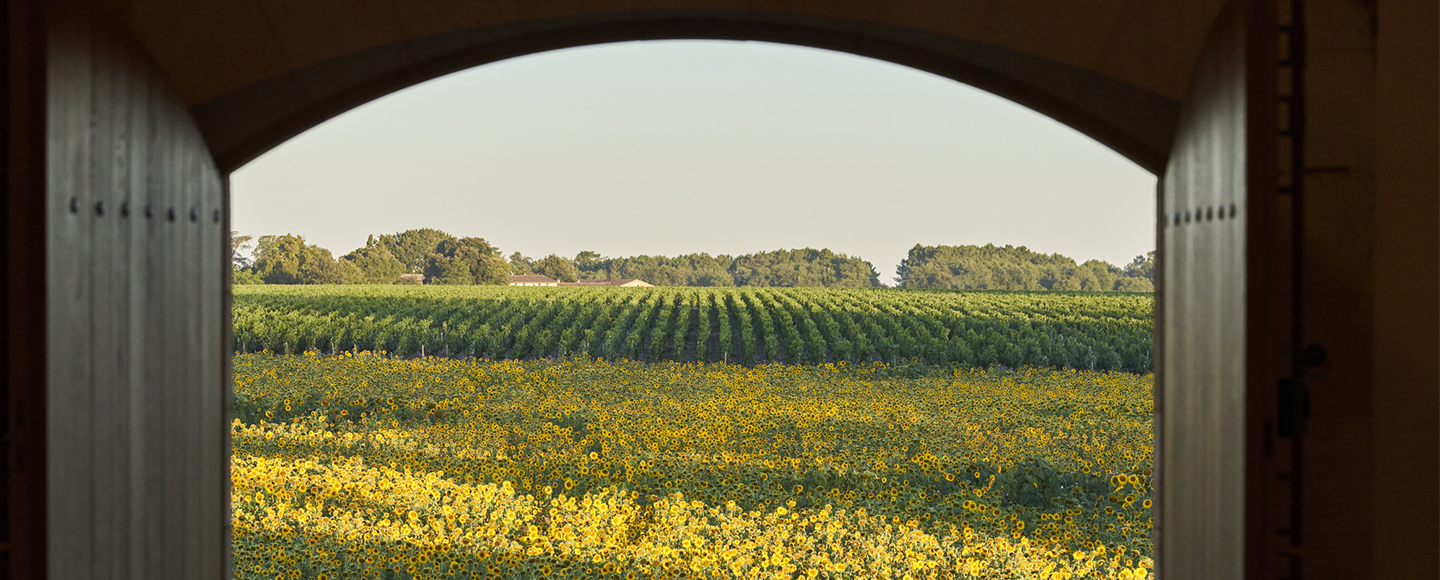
x=677 y=147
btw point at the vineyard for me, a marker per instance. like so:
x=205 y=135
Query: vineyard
x=1091 y=331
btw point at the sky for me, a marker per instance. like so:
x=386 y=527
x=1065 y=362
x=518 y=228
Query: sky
x=675 y=147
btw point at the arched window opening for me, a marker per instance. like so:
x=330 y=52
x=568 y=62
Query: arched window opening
x=884 y=320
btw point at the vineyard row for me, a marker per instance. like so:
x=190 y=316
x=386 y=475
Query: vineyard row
x=748 y=326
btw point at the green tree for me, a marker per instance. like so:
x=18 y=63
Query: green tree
x=521 y=264
x=1011 y=268
x=245 y=277
x=1142 y=267
x=466 y=261
x=1099 y=275
x=590 y=263
x=347 y=272
x=288 y=259
x=375 y=265
x=1136 y=284
x=802 y=267
x=410 y=247
x=278 y=258
x=558 y=268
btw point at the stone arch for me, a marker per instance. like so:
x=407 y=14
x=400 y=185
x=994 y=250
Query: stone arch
x=244 y=123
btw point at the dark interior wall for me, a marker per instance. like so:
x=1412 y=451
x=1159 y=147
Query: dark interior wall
x=24 y=255
x=1406 y=468
x=137 y=473
x=1336 y=287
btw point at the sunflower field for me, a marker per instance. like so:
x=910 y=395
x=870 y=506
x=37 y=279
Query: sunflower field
x=1083 y=330
x=360 y=465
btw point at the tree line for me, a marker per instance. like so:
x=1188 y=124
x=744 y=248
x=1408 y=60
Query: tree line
x=992 y=267
x=440 y=257
x=446 y=259
x=805 y=267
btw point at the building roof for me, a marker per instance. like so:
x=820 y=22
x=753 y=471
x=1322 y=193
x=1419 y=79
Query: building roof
x=531 y=279
x=610 y=282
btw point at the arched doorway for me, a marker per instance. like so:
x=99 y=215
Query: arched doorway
x=124 y=121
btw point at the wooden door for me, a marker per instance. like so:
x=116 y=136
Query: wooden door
x=135 y=253
x=1214 y=382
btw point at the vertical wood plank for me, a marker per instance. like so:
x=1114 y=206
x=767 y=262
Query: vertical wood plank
x=136 y=388
x=155 y=343
x=169 y=501
x=1201 y=423
x=212 y=383
x=138 y=264
x=226 y=384
x=193 y=384
x=70 y=456
x=110 y=166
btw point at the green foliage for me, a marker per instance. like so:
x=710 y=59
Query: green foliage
x=466 y=261
x=991 y=267
x=245 y=277
x=805 y=267
x=375 y=265
x=1136 y=284
x=411 y=247
x=445 y=259
x=1142 y=267
x=557 y=268
x=1091 y=331
x=521 y=264
x=588 y=261
x=278 y=258
x=288 y=259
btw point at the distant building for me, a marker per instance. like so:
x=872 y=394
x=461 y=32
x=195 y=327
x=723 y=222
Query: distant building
x=625 y=282
x=412 y=278
x=532 y=280
x=539 y=280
